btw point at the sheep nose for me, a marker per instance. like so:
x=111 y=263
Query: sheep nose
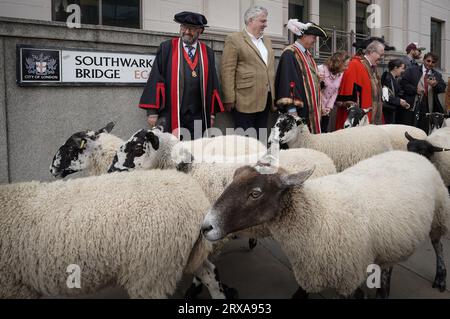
x=206 y=229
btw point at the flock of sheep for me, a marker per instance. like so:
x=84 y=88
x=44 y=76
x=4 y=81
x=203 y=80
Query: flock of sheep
x=335 y=202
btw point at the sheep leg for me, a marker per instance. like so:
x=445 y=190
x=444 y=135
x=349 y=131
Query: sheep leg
x=300 y=294
x=195 y=289
x=209 y=276
x=385 y=289
x=441 y=272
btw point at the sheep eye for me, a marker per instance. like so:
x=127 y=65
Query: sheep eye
x=138 y=150
x=256 y=193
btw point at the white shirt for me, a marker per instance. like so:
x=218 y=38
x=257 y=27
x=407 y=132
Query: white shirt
x=370 y=63
x=300 y=46
x=425 y=70
x=259 y=43
x=185 y=46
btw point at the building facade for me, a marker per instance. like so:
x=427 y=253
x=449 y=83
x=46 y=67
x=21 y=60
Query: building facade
x=36 y=120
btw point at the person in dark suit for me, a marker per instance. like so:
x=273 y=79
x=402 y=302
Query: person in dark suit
x=393 y=105
x=182 y=92
x=421 y=86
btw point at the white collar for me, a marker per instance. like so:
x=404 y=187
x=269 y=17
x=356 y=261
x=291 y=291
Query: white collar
x=193 y=44
x=424 y=69
x=365 y=57
x=300 y=46
x=253 y=37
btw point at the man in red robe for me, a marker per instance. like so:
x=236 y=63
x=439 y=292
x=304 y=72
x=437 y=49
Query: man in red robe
x=361 y=85
x=183 y=89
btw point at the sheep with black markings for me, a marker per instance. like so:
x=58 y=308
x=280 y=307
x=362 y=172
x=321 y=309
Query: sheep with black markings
x=345 y=147
x=89 y=151
x=163 y=150
x=435 y=147
x=112 y=226
x=333 y=227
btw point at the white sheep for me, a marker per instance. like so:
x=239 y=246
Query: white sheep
x=112 y=226
x=435 y=147
x=396 y=134
x=163 y=150
x=139 y=152
x=90 y=151
x=333 y=227
x=345 y=147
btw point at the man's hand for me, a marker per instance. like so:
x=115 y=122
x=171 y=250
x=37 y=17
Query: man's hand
x=404 y=104
x=228 y=106
x=151 y=120
x=420 y=90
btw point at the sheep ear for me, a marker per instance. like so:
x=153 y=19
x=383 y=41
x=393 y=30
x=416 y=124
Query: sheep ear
x=153 y=139
x=409 y=137
x=298 y=179
x=439 y=149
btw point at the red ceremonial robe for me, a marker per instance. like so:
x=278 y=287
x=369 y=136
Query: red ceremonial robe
x=163 y=94
x=356 y=87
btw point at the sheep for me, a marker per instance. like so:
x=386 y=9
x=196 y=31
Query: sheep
x=435 y=147
x=213 y=177
x=88 y=150
x=437 y=120
x=345 y=147
x=94 y=152
x=112 y=226
x=358 y=117
x=163 y=150
x=333 y=227
x=396 y=134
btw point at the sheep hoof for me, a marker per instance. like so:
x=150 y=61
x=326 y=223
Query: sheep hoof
x=252 y=243
x=193 y=292
x=230 y=293
x=300 y=294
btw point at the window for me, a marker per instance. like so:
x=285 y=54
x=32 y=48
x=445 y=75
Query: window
x=436 y=39
x=117 y=13
x=333 y=13
x=298 y=10
x=361 y=18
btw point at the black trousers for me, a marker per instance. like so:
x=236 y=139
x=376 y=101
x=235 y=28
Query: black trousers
x=256 y=120
x=324 y=121
x=187 y=121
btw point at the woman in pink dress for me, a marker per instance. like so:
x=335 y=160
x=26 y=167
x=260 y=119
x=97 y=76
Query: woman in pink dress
x=330 y=74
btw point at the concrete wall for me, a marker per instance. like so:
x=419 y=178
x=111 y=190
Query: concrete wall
x=222 y=16
x=4 y=176
x=37 y=120
x=26 y=9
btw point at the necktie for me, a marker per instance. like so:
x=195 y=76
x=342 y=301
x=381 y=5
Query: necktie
x=425 y=83
x=190 y=51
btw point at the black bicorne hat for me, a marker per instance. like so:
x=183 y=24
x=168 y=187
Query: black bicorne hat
x=191 y=19
x=316 y=30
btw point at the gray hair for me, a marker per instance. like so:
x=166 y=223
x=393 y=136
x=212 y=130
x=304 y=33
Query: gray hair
x=253 y=12
x=374 y=46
